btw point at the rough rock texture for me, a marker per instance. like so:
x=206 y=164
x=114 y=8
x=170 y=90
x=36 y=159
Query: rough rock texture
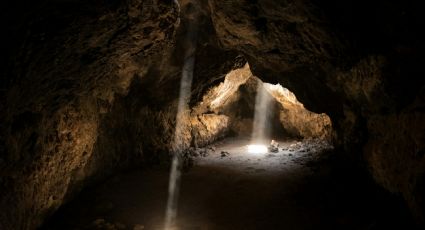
x=235 y=97
x=208 y=128
x=396 y=156
x=229 y=100
x=357 y=61
x=90 y=86
x=298 y=121
x=77 y=56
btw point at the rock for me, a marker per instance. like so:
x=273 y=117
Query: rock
x=195 y=152
x=224 y=153
x=205 y=154
x=274 y=143
x=313 y=47
x=273 y=147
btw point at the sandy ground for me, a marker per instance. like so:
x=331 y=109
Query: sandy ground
x=295 y=188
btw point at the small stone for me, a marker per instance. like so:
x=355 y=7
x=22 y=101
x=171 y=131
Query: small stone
x=194 y=153
x=290 y=154
x=205 y=154
x=273 y=147
x=224 y=153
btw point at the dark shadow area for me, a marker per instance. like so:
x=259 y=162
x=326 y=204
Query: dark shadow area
x=306 y=190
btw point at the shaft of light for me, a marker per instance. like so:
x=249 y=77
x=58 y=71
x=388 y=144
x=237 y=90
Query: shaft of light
x=174 y=182
x=261 y=126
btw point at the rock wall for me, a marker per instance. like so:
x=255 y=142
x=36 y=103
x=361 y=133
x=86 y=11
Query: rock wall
x=357 y=61
x=298 y=121
x=70 y=62
x=235 y=97
x=88 y=87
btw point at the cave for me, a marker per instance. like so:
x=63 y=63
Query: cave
x=207 y=114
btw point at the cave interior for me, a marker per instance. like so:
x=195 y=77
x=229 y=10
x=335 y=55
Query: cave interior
x=208 y=114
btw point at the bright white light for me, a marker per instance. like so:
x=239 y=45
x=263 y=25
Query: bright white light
x=262 y=115
x=257 y=149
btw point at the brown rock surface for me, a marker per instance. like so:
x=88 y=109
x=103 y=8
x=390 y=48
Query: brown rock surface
x=235 y=98
x=89 y=87
x=337 y=61
x=76 y=58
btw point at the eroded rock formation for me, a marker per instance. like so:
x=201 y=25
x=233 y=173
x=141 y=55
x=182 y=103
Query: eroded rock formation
x=296 y=120
x=358 y=62
x=75 y=58
x=235 y=98
x=89 y=87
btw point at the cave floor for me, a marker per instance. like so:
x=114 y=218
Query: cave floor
x=300 y=187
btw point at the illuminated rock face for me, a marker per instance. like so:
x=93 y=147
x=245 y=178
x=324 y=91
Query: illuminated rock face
x=90 y=87
x=361 y=70
x=297 y=120
x=235 y=98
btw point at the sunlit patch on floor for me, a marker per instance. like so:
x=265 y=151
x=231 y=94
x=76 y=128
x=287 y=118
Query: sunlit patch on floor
x=257 y=149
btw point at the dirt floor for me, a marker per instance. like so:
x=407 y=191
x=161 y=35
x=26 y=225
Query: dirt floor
x=303 y=186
